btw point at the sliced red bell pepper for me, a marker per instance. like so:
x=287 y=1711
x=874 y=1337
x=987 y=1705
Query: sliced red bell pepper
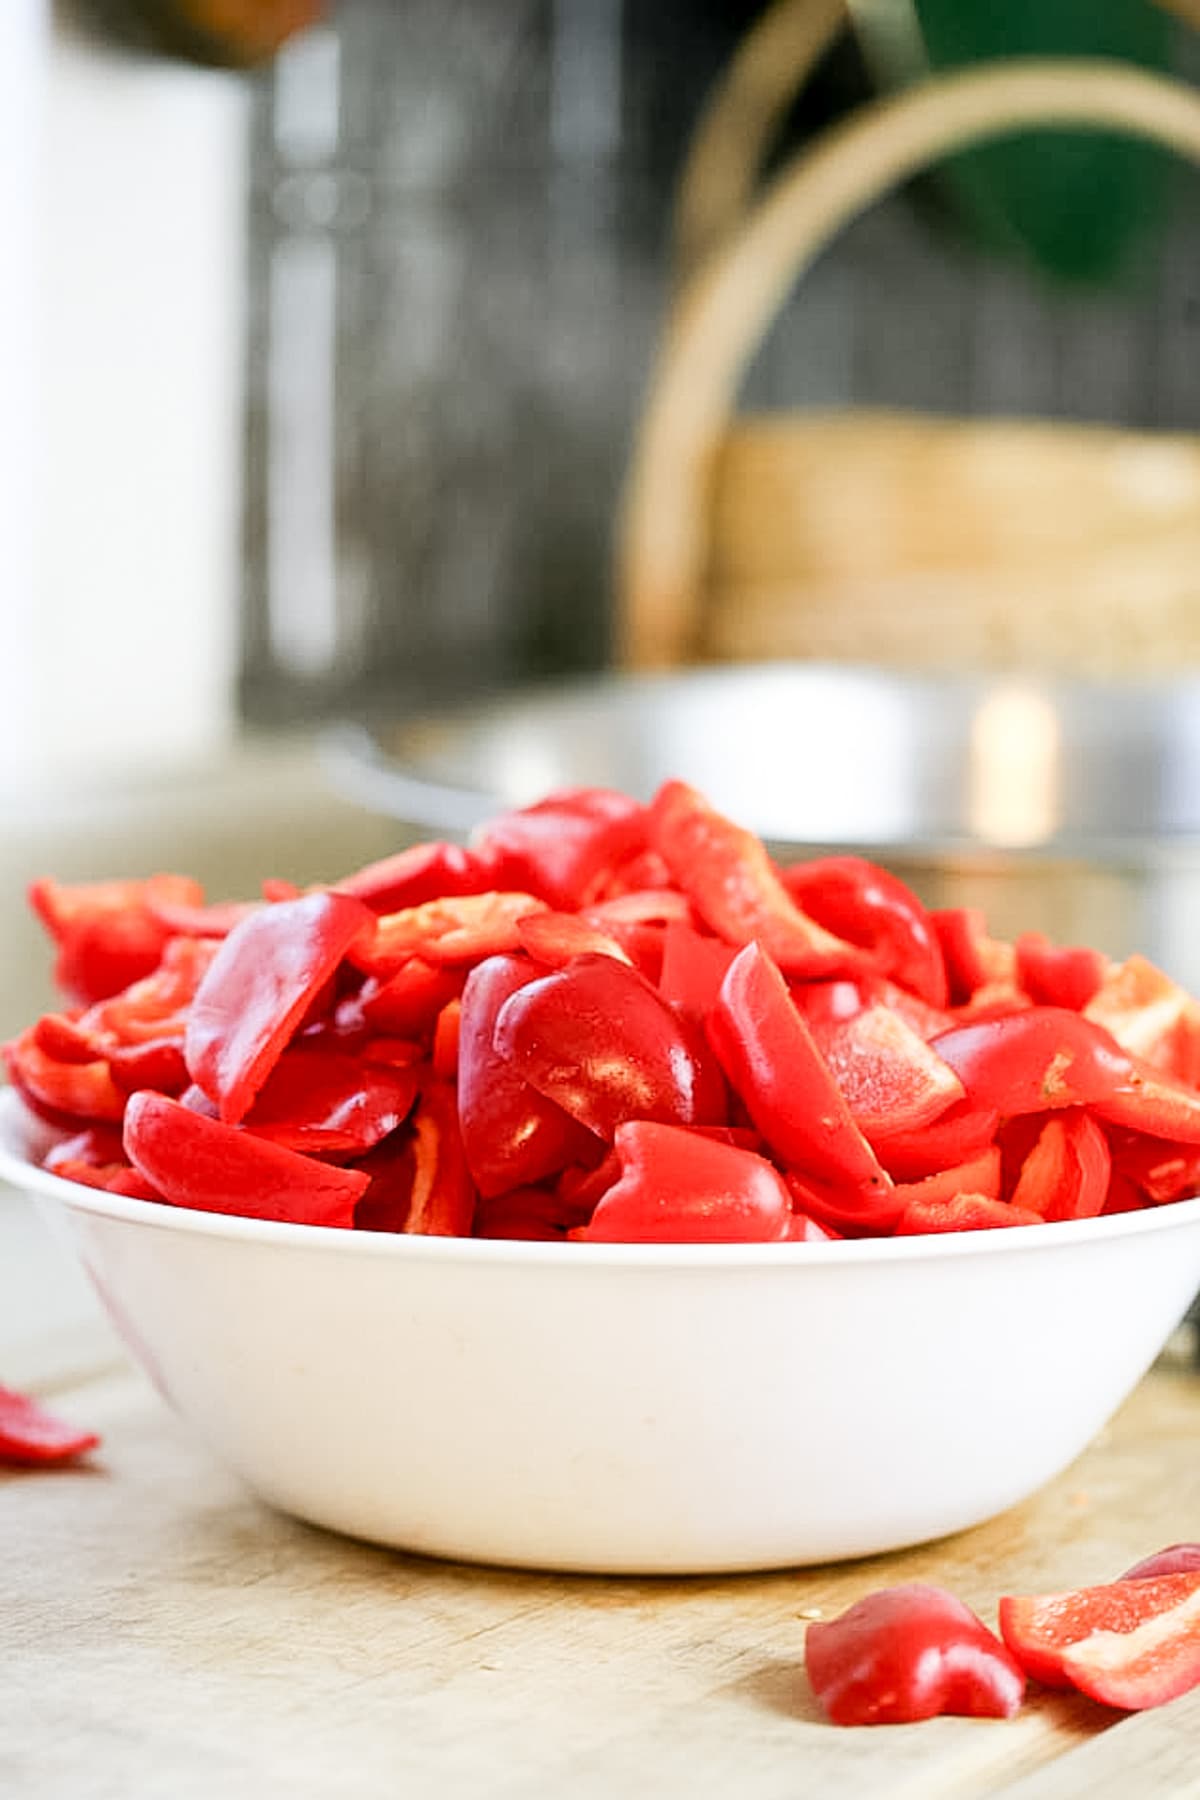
x=1151 y=1016
x=445 y=1041
x=962 y=1132
x=1057 y=975
x=514 y=1136
x=774 y=1065
x=1176 y=1559
x=33 y=1437
x=907 y=1653
x=561 y=846
x=1153 y=1103
x=459 y=930
x=329 y=1103
x=67 y=1091
x=980 y=1176
x=157 y=1006
x=420 y=1183
x=680 y=1186
x=693 y=968
x=644 y=869
x=1037 y=1060
x=556 y=938
x=972 y=958
x=106 y=932
x=1161 y=1171
x=962 y=1212
x=150 y=1065
x=215 y=920
x=1123 y=1196
x=258 y=989
x=869 y=906
x=532 y=1214
x=422 y=872
x=599 y=1041
x=213 y=1167
x=1131 y=1644
x=888 y=1076
x=735 y=888
x=408 y=1003
x=96 y=1158
x=1066 y=1174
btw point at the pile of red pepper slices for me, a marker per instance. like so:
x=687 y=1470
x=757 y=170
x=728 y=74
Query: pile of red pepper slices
x=605 y=1021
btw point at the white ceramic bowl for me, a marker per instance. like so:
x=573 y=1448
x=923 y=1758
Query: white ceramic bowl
x=646 y=1409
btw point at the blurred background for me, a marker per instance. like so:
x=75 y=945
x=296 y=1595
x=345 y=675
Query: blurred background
x=326 y=371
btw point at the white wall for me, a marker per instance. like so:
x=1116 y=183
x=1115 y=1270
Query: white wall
x=122 y=204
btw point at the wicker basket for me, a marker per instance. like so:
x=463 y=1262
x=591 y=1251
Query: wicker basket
x=902 y=539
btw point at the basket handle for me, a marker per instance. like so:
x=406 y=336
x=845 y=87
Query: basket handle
x=720 y=317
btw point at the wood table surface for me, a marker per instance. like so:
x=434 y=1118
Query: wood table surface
x=164 y=1634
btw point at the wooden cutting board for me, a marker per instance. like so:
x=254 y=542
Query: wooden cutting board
x=165 y=1635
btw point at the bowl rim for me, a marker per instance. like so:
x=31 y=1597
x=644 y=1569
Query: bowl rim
x=18 y=1127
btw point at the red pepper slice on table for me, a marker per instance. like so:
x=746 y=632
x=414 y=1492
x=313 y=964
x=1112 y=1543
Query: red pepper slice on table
x=514 y=1136
x=736 y=889
x=680 y=1186
x=409 y=1002
x=1132 y=1643
x=1151 y=1016
x=258 y=989
x=457 y=930
x=962 y=1212
x=907 y=1653
x=556 y=938
x=209 y=1166
x=775 y=1067
x=868 y=906
x=33 y=1437
x=1176 y=1559
x=598 y=1040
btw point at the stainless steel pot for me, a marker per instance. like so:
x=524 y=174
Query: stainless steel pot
x=1067 y=808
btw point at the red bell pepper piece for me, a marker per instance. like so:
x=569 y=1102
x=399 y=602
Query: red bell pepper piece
x=907 y=1653
x=214 y=1167
x=888 y=1076
x=1151 y=1016
x=422 y=872
x=641 y=906
x=962 y=1212
x=644 y=869
x=408 y=1003
x=1037 y=1060
x=972 y=959
x=693 y=968
x=1066 y=1174
x=514 y=1136
x=980 y=1176
x=1153 y=1103
x=31 y=1436
x=1161 y=1171
x=598 y=1040
x=775 y=1067
x=1176 y=1559
x=96 y=1158
x=735 y=888
x=868 y=906
x=460 y=930
x=680 y=1186
x=258 y=988
x=213 y=921
x=532 y=1214
x=61 y=1090
x=151 y=1065
x=1055 y=975
x=445 y=1041
x=329 y=1103
x=157 y=1006
x=106 y=932
x=1123 y=1196
x=1131 y=1644
x=961 y=1133
x=420 y=1183
x=560 y=847
x=555 y=938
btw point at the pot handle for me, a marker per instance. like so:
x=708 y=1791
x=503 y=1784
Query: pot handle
x=719 y=318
